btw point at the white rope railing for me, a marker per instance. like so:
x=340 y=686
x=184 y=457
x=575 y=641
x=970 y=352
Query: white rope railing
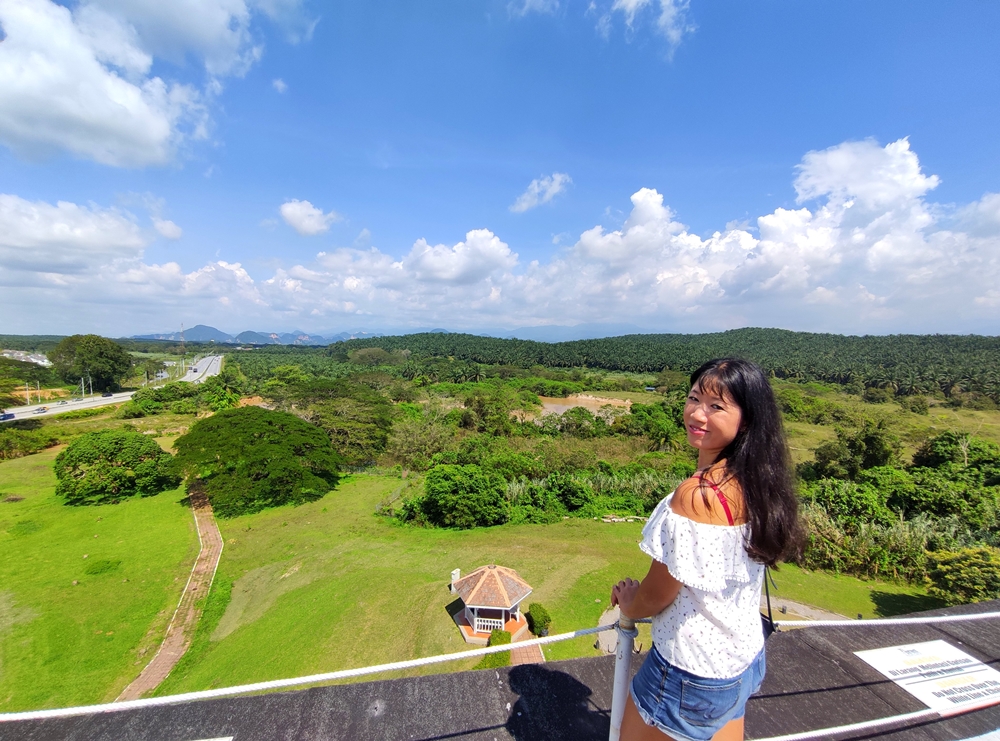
x=626 y=636
x=868 y=725
x=275 y=684
x=886 y=621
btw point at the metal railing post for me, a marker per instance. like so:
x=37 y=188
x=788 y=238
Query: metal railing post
x=623 y=666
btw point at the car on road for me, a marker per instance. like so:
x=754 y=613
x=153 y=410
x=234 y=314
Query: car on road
x=41 y=410
x=4 y=416
x=63 y=403
x=106 y=394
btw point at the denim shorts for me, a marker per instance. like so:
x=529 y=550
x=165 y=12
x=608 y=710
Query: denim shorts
x=688 y=707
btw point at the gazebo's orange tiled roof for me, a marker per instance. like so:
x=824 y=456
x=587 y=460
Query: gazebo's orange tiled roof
x=492 y=586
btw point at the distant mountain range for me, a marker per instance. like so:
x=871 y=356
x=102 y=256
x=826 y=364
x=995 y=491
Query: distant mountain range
x=548 y=333
x=203 y=333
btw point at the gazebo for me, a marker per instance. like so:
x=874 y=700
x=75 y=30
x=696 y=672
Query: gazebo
x=492 y=597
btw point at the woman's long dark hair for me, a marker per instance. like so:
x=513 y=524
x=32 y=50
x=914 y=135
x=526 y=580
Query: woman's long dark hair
x=757 y=457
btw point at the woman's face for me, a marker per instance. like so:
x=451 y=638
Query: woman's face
x=711 y=421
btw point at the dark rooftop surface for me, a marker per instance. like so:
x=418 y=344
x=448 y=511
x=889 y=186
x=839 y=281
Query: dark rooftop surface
x=813 y=681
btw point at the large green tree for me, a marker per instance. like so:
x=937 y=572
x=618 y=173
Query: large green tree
x=356 y=417
x=112 y=465
x=104 y=361
x=248 y=459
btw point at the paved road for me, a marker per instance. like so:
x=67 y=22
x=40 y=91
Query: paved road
x=196 y=373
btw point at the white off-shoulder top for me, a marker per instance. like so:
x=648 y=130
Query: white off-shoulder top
x=713 y=627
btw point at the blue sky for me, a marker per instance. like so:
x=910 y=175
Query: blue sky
x=277 y=164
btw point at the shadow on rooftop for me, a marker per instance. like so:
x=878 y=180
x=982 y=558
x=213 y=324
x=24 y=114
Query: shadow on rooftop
x=553 y=706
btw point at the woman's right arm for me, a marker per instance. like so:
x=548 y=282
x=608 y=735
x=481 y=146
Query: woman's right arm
x=649 y=597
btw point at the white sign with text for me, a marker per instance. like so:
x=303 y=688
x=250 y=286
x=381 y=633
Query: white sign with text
x=941 y=676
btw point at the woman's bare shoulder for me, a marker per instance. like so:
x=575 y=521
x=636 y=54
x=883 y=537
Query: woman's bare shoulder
x=688 y=501
x=692 y=501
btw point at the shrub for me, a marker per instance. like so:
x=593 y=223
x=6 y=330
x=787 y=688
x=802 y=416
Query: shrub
x=952 y=490
x=532 y=503
x=538 y=618
x=500 y=658
x=870 y=445
x=850 y=503
x=415 y=441
x=968 y=575
x=959 y=448
x=15 y=443
x=877 y=396
x=798 y=405
x=136 y=409
x=250 y=458
x=661 y=423
x=109 y=466
x=167 y=393
x=464 y=497
x=184 y=406
x=915 y=404
x=570 y=491
x=894 y=551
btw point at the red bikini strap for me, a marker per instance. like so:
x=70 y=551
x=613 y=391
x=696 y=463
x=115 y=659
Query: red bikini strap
x=722 y=497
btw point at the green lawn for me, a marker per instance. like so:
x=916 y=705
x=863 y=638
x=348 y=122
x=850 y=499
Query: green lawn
x=329 y=586
x=300 y=590
x=849 y=596
x=64 y=644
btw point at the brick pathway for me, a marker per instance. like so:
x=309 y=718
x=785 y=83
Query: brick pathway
x=182 y=625
x=527 y=655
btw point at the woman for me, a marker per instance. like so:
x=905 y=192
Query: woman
x=709 y=541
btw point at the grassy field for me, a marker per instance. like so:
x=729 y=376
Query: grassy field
x=330 y=586
x=320 y=587
x=849 y=596
x=67 y=426
x=85 y=592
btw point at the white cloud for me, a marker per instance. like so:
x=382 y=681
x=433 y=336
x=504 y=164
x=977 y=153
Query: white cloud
x=630 y=8
x=983 y=216
x=481 y=254
x=877 y=177
x=864 y=252
x=671 y=21
x=167 y=228
x=290 y=16
x=79 y=80
x=306 y=219
x=58 y=90
x=523 y=7
x=64 y=238
x=279 y=85
x=541 y=190
x=215 y=33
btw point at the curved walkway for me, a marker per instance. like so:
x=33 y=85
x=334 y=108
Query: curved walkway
x=182 y=625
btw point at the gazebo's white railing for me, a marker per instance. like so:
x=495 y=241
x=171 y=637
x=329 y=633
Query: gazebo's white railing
x=485 y=625
x=626 y=637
